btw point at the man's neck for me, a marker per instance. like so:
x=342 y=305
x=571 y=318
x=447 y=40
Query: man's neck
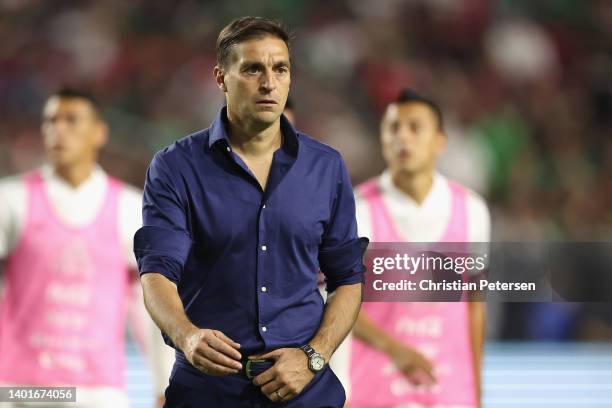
x=416 y=185
x=75 y=175
x=254 y=141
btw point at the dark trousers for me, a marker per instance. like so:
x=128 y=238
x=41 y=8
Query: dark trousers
x=324 y=391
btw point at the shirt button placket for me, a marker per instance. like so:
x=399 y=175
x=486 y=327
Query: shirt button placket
x=260 y=267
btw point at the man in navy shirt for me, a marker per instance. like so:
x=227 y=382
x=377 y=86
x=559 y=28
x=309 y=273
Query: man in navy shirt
x=238 y=219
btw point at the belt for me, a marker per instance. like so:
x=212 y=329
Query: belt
x=252 y=368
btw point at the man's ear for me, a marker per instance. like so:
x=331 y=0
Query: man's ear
x=441 y=141
x=220 y=78
x=102 y=134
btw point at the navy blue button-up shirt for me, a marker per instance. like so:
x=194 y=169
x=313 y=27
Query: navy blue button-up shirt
x=245 y=260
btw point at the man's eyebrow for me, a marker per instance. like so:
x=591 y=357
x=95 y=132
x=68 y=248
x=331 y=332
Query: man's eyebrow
x=251 y=63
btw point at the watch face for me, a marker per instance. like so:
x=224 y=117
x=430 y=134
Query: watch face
x=317 y=362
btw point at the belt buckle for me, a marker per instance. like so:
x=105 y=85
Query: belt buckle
x=247 y=368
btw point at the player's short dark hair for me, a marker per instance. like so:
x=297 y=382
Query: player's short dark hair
x=411 y=96
x=68 y=92
x=244 y=29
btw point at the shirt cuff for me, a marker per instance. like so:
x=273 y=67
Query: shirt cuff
x=344 y=265
x=163 y=265
x=161 y=250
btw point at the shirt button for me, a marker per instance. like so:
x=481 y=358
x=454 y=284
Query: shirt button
x=228 y=149
x=264 y=206
x=263 y=289
x=264 y=248
x=264 y=329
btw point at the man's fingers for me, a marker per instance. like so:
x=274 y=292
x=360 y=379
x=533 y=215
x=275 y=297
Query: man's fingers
x=431 y=378
x=272 y=386
x=211 y=368
x=226 y=339
x=430 y=375
x=224 y=348
x=427 y=367
x=219 y=358
x=283 y=394
x=419 y=376
x=278 y=394
x=264 y=377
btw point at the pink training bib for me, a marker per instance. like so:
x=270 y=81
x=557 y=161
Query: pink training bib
x=438 y=330
x=63 y=314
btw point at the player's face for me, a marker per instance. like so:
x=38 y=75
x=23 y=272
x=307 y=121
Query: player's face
x=256 y=80
x=410 y=137
x=72 y=132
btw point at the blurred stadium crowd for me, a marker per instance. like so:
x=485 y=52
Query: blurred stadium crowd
x=526 y=88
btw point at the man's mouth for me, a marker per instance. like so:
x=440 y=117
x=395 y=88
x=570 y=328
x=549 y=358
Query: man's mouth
x=404 y=154
x=267 y=102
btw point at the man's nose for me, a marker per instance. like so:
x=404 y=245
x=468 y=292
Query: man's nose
x=404 y=134
x=267 y=83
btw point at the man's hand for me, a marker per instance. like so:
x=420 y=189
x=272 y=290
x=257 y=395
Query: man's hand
x=212 y=352
x=414 y=365
x=287 y=377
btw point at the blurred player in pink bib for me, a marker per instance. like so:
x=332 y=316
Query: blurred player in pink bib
x=66 y=240
x=415 y=355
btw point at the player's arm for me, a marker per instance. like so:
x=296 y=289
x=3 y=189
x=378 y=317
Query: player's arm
x=162 y=247
x=477 y=316
x=339 y=317
x=341 y=261
x=210 y=351
x=415 y=367
x=479 y=219
x=12 y=215
x=159 y=356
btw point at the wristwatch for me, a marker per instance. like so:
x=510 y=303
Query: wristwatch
x=316 y=361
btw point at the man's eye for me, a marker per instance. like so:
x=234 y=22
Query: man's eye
x=252 y=70
x=282 y=70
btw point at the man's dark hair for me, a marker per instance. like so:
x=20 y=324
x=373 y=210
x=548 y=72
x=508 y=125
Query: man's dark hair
x=67 y=92
x=244 y=29
x=410 y=96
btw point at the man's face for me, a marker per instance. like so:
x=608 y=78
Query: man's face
x=256 y=80
x=410 y=137
x=72 y=131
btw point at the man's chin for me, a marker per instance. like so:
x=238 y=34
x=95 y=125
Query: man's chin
x=266 y=118
x=409 y=169
x=59 y=160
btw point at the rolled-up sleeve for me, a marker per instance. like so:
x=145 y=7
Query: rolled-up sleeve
x=341 y=250
x=163 y=244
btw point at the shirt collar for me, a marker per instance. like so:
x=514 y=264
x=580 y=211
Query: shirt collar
x=97 y=175
x=435 y=194
x=218 y=133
